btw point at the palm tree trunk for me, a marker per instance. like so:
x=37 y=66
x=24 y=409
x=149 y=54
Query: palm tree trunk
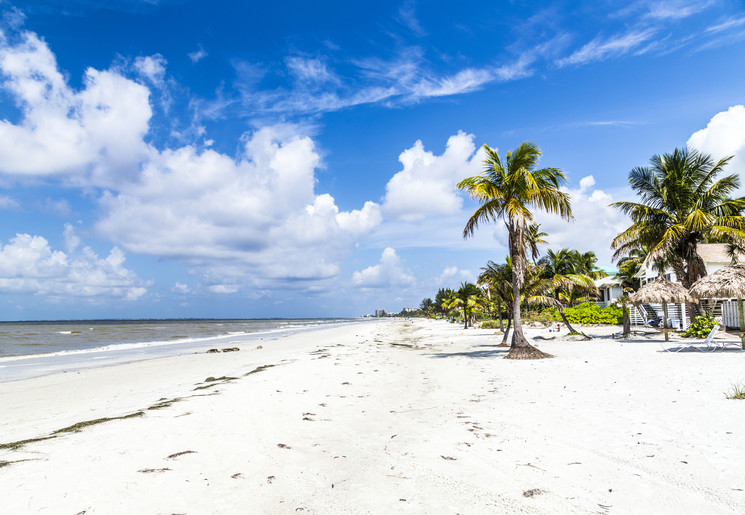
x=626 y=322
x=499 y=310
x=566 y=322
x=465 y=319
x=506 y=332
x=520 y=348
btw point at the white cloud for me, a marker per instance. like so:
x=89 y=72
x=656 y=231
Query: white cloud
x=586 y=182
x=256 y=216
x=388 y=273
x=197 y=55
x=427 y=184
x=181 y=288
x=724 y=136
x=29 y=265
x=451 y=275
x=94 y=135
x=596 y=223
x=676 y=9
x=152 y=68
x=600 y=49
x=309 y=70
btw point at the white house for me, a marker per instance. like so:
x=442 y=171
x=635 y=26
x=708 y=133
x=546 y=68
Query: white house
x=610 y=289
x=714 y=256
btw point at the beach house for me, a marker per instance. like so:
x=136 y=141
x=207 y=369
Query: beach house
x=715 y=257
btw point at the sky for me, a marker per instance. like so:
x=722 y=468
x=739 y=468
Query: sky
x=186 y=159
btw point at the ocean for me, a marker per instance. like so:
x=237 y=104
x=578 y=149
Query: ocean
x=30 y=349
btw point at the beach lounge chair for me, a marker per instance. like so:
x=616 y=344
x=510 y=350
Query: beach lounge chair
x=699 y=345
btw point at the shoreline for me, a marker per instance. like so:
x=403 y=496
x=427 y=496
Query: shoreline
x=24 y=366
x=412 y=416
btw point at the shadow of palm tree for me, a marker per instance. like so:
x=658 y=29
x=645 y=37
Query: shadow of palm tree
x=476 y=354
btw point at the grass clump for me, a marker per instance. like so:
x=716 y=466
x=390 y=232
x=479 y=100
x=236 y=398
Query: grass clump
x=737 y=391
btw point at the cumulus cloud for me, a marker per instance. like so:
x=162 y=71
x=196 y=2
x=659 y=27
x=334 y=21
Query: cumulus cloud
x=596 y=224
x=254 y=218
x=388 y=273
x=95 y=134
x=259 y=210
x=453 y=274
x=29 y=265
x=426 y=185
x=723 y=136
x=152 y=68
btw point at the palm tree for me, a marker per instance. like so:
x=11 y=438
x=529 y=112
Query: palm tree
x=508 y=191
x=465 y=299
x=498 y=280
x=567 y=279
x=682 y=204
x=534 y=237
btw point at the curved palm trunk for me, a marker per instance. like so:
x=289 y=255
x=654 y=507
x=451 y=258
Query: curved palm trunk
x=566 y=322
x=506 y=332
x=499 y=310
x=520 y=348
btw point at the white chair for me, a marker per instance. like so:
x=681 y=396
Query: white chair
x=700 y=345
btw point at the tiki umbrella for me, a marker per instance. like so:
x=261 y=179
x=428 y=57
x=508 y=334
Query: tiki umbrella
x=726 y=283
x=661 y=291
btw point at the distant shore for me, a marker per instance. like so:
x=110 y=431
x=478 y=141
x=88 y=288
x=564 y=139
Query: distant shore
x=412 y=416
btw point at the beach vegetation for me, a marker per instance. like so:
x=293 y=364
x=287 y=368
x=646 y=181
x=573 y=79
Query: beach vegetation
x=737 y=391
x=701 y=326
x=683 y=202
x=508 y=190
x=569 y=280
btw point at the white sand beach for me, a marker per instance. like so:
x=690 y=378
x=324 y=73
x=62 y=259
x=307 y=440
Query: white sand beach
x=383 y=417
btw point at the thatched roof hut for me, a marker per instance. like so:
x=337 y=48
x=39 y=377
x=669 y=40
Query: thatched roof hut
x=661 y=291
x=725 y=283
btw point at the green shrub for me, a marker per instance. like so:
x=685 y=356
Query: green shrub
x=490 y=324
x=591 y=313
x=701 y=327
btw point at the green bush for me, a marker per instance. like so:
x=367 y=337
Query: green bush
x=701 y=327
x=490 y=324
x=591 y=313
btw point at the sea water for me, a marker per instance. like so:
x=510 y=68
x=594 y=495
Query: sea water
x=29 y=349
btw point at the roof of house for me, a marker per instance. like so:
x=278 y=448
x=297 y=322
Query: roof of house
x=607 y=281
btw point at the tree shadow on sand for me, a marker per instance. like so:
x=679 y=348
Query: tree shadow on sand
x=492 y=352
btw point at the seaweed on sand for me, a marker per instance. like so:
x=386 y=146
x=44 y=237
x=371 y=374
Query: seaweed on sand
x=258 y=369
x=80 y=425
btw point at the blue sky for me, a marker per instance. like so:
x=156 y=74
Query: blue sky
x=243 y=159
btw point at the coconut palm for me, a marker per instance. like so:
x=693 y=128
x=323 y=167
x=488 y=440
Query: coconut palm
x=683 y=203
x=534 y=237
x=567 y=279
x=508 y=191
x=465 y=299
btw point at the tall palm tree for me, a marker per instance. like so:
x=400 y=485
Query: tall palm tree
x=683 y=203
x=508 y=191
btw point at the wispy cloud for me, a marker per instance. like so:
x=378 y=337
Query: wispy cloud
x=600 y=49
x=407 y=17
x=728 y=24
x=197 y=55
x=676 y=9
